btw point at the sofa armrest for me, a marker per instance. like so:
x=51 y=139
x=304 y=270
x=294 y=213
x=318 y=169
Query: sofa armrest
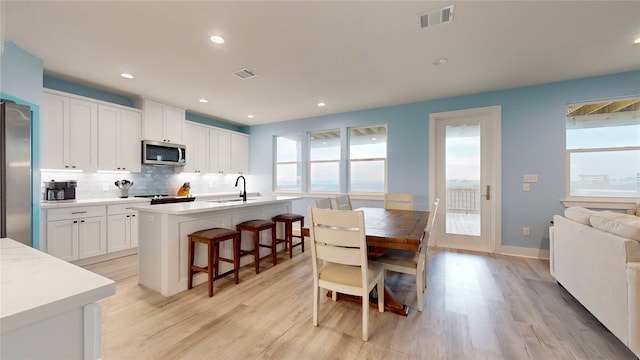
x=633 y=280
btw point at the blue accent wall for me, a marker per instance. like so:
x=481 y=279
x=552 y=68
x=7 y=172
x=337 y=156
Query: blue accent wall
x=533 y=142
x=21 y=81
x=82 y=90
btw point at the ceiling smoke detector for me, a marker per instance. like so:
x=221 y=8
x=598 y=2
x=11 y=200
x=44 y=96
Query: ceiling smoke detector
x=245 y=73
x=436 y=17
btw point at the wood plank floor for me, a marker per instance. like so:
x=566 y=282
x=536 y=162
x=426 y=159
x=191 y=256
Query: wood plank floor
x=476 y=307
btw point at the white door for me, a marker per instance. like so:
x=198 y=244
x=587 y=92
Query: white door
x=465 y=170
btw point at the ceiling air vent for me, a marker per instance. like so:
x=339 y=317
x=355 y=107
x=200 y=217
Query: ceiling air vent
x=436 y=17
x=245 y=73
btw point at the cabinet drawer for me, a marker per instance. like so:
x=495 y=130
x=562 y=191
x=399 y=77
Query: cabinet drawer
x=122 y=208
x=75 y=212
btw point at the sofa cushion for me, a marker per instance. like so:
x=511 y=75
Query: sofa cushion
x=578 y=214
x=624 y=225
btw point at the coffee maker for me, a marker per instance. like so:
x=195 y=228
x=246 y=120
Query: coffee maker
x=60 y=190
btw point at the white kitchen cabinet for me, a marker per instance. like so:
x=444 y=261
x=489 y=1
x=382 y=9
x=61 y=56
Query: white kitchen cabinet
x=119 y=139
x=196 y=139
x=77 y=232
x=162 y=122
x=239 y=153
x=68 y=133
x=122 y=228
x=219 y=151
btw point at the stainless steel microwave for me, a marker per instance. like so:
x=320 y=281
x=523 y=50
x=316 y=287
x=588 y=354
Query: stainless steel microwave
x=163 y=153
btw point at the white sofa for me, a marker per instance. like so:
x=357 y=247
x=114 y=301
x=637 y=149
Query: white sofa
x=595 y=256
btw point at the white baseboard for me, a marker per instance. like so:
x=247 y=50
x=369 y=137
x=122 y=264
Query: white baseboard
x=101 y=258
x=523 y=252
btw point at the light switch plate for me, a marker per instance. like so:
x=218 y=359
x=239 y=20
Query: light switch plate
x=526 y=187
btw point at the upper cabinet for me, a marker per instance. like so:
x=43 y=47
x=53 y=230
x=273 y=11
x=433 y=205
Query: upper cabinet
x=215 y=151
x=68 y=133
x=162 y=122
x=119 y=139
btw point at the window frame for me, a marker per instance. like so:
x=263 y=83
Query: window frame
x=349 y=161
x=339 y=162
x=299 y=163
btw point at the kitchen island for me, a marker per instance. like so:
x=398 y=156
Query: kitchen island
x=163 y=237
x=48 y=306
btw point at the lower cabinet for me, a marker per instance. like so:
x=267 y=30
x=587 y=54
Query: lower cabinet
x=77 y=233
x=122 y=228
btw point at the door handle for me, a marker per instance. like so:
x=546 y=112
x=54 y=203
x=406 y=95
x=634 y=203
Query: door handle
x=488 y=193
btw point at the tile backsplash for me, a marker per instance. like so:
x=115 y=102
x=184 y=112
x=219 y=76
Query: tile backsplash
x=153 y=179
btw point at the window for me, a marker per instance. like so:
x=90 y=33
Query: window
x=603 y=149
x=324 y=161
x=368 y=159
x=288 y=163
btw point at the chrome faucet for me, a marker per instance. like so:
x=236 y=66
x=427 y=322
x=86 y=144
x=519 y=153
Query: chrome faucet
x=243 y=193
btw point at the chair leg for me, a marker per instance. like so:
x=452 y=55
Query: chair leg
x=210 y=267
x=190 y=274
x=273 y=245
x=316 y=302
x=256 y=247
x=289 y=237
x=381 y=294
x=301 y=235
x=420 y=289
x=365 y=316
x=236 y=258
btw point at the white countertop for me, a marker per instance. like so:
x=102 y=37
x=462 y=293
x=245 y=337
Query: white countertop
x=35 y=286
x=130 y=200
x=195 y=207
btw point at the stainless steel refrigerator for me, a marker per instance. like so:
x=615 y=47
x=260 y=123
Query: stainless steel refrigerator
x=15 y=172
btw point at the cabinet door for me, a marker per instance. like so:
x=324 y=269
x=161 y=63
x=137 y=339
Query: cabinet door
x=133 y=222
x=118 y=233
x=153 y=120
x=196 y=138
x=129 y=146
x=173 y=124
x=54 y=110
x=108 y=122
x=224 y=151
x=83 y=135
x=62 y=239
x=92 y=237
x=239 y=154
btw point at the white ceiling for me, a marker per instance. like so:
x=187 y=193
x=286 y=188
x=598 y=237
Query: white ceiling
x=352 y=55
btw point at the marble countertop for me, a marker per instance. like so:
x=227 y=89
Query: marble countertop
x=212 y=205
x=35 y=286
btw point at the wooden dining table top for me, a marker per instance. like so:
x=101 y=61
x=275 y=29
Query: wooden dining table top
x=392 y=229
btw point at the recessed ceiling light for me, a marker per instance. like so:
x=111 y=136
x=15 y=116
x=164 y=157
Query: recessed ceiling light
x=217 y=39
x=636 y=41
x=440 y=61
x=250 y=116
x=126 y=75
x=321 y=104
x=204 y=101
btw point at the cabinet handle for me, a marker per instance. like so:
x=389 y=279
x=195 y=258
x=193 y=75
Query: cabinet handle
x=81 y=221
x=78 y=212
x=133 y=216
x=75 y=221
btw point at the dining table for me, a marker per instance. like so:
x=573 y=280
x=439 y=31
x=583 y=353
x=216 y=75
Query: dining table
x=387 y=229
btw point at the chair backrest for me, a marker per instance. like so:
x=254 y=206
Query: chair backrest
x=398 y=201
x=338 y=236
x=323 y=203
x=432 y=217
x=343 y=202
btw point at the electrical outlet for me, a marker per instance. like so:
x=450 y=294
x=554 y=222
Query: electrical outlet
x=530 y=178
x=105 y=187
x=526 y=231
x=526 y=187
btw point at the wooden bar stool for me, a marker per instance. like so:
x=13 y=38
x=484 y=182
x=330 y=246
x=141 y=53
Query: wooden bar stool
x=213 y=237
x=256 y=226
x=288 y=219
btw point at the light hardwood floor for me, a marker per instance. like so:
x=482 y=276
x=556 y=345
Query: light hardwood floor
x=476 y=307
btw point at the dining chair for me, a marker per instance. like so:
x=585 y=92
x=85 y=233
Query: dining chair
x=323 y=203
x=412 y=262
x=398 y=201
x=338 y=238
x=343 y=202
